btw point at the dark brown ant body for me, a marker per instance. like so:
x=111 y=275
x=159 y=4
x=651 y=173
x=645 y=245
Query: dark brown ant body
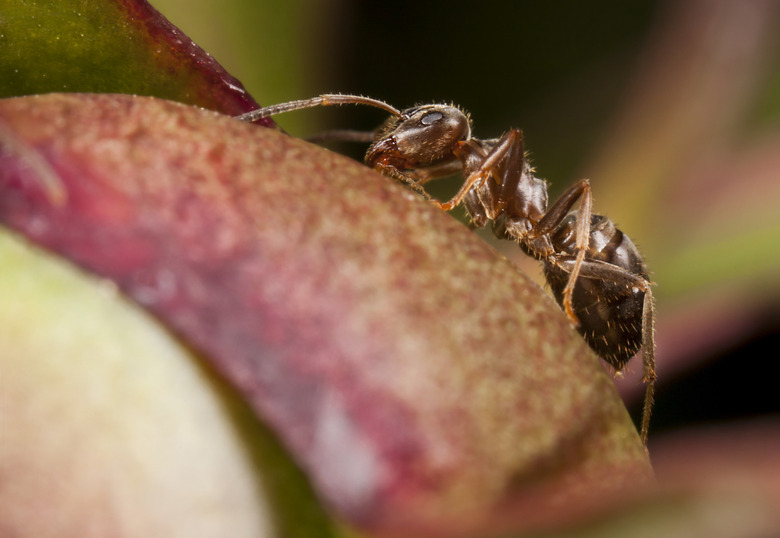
x=594 y=270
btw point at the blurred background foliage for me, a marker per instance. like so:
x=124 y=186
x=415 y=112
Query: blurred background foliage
x=671 y=108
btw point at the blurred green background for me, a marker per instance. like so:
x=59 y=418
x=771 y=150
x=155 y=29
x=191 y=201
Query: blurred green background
x=671 y=108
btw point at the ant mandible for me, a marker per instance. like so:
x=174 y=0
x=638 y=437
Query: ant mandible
x=594 y=270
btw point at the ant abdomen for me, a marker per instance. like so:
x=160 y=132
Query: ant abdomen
x=610 y=313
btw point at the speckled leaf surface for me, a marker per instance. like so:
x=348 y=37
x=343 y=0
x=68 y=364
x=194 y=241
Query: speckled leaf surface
x=424 y=384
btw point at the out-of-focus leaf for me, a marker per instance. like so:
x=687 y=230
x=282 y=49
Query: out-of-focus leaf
x=121 y=46
x=422 y=382
x=279 y=50
x=111 y=427
x=717 y=482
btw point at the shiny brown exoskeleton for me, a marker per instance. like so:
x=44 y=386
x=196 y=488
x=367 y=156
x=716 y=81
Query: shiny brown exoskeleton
x=594 y=270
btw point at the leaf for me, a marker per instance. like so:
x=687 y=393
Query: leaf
x=420 y=380
x=113 y=46
x=118 y=429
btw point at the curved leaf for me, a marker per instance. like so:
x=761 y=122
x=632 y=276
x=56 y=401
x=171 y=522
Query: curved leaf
x=117 y=46
x=117 y=429
x=423 y=383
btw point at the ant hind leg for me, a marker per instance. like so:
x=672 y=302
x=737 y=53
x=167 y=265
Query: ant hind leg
x=550 y=221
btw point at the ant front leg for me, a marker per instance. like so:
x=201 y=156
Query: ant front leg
x=550 y=221
x=478 y=167
x=393 y=172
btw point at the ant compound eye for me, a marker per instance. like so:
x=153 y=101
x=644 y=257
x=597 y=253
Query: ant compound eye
x=431 y=117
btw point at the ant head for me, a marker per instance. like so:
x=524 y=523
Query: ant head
x=420 y=136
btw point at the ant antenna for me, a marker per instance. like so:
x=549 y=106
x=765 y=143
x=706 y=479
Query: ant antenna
x=327 y=99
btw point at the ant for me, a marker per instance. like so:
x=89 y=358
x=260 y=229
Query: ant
x=594 y=270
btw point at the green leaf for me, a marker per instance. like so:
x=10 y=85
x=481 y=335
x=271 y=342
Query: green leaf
x=109 y=46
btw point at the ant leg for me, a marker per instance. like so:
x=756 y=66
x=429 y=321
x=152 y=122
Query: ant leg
x=606 y=271
x=600 y=270
x=553 y=217
x=436 y=171
x=648 y=360
x=475 y=179
x=393 y=172
x=509 y=144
